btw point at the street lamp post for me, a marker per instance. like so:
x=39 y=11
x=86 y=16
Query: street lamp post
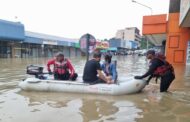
x=150 y=14
x=143 y=5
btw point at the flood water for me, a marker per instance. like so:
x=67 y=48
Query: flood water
x=149 y=105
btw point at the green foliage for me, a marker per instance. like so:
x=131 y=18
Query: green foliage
x=143 y=44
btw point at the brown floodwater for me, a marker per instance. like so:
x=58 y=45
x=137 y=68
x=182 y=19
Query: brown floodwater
x=149 y=105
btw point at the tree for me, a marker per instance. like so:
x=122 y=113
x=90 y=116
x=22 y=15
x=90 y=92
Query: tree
x=106 y=40
x=143 y=44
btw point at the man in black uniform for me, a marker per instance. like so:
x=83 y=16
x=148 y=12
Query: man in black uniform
x=92 y=68
x=155 y=63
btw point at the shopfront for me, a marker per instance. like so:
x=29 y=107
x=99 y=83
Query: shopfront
x=77 y=50
x=5 y=49
x=15 y=42
x=188 y=53
x=11 y=37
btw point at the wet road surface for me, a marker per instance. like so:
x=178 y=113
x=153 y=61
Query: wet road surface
x=149 y=105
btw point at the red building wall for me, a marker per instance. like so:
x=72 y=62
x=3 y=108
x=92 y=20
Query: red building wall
x=155 y=24
x=177 y=38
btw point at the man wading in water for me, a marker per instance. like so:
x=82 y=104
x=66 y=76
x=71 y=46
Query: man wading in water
x=159 y=68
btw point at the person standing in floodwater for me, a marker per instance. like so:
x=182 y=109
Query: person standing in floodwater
x=159 y=68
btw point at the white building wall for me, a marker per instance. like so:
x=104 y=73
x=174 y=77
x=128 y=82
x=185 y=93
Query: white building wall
x=129 y=34
x=138 y=37
x=120 y=34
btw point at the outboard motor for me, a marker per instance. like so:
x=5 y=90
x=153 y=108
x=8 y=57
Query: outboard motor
x=34 y=70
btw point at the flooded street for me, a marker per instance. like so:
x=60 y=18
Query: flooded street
x=149 y=105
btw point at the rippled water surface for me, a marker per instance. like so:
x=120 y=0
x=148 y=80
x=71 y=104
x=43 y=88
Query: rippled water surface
x=148 y=106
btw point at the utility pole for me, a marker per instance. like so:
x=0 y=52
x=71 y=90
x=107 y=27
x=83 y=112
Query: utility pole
x=150 y=14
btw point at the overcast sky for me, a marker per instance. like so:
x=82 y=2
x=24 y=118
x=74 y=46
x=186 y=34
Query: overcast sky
x=73 y=18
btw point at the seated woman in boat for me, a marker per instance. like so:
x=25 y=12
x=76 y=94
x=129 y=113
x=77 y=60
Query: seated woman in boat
x=63 y=69
x=109 y=68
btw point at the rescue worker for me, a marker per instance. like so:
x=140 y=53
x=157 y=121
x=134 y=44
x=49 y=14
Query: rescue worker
x=61 y=69
x=159 y=68
x=109 y=68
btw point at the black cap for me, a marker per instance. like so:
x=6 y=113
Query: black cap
x=150 y=52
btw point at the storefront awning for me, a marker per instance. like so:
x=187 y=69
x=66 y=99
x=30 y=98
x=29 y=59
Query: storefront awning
x=11 y=31
x=112 y=49
x=155 y=28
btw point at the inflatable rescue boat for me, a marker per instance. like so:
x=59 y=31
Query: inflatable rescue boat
x=130 y=86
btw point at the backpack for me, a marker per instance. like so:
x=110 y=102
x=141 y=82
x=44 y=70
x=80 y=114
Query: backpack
x=162 y=70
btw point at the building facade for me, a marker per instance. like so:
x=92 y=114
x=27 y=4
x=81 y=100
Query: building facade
x=175 y=31
x=131 y=33
x=11 y=36
x=120 y=34
x=125 y=44
x=114 y=42
x=15 y=42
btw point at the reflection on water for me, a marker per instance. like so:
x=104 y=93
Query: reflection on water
x=147 y=106
x=89 y=107
x=96 y=109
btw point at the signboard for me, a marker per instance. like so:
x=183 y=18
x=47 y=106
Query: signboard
x=89 y=41
x=102 y=45
x=77 y=45
x=184 y=8
x=50 y=42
